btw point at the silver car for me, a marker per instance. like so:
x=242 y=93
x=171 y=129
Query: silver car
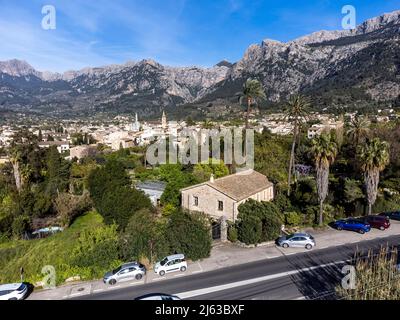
x=300 y=240
x=125 y=272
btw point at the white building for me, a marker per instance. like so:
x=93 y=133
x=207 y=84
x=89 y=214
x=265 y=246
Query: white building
x=62 y=146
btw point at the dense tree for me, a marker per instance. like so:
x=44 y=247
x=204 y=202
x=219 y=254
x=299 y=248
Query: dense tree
x=203 y=171
x=25 y=158
x=140 y=237
x=177 y=177
x=271 y=156
x=113 y=196
x=57 y=172
x=267 y=213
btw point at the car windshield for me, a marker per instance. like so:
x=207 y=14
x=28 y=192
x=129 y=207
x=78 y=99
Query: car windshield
x=21 y=287
x=164 y=261
x=116 y=270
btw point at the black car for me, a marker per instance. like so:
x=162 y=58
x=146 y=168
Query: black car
x=394 y=215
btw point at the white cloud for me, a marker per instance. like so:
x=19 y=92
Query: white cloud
x=85 y=34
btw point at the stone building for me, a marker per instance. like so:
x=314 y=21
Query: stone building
x=222 y=197
x=80 y=152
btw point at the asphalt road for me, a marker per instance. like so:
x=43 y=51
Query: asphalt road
x=310 y=275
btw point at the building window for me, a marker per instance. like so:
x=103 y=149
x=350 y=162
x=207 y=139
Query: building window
x=220 y=206
x=196 y=201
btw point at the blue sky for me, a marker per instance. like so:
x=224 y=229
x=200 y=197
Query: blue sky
x=173 y=32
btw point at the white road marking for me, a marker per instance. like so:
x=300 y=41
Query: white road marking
x=98 y=290
x=199 y=292
x=158 y=279
x=78 y=294
x=113 y=287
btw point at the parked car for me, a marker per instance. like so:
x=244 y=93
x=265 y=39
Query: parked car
x=379 y=222
x=171 y=263
x=158 y=296
x=300 y=240
x=125 y=272
x=13 y=291
x=352 y=225
x=394 y=215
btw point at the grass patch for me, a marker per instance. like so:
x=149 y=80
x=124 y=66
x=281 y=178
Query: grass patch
x=56 y=250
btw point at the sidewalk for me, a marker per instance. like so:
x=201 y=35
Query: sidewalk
x=222 y=255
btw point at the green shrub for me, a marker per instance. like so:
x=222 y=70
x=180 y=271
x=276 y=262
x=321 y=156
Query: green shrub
x=96 y=247
x=250 y=230
x=269 y=215
x=20 y=225
x=232 y=233
x=386 y=203
x=293 y=218
x=330 y=212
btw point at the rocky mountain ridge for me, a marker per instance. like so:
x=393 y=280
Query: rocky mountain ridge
x=336 y=68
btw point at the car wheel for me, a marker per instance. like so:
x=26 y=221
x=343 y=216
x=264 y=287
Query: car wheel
x=162 y=273
x=361 y=231
x=183 y=268
x=339 y=228
x=138 y=276
x=13 y=298
x=112 y=282
x=285 y=245
x=308 y=246
x=382 y=228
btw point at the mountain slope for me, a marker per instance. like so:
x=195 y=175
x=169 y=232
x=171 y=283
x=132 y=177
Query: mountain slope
x=348 y=68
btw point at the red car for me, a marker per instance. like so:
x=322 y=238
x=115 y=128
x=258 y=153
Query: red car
x=379 y=222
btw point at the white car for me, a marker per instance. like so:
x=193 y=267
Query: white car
x=172 y=263
x=158 y=296
x=13 y=291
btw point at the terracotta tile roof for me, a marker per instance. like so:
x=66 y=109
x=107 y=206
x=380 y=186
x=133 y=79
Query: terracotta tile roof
x=240 y=185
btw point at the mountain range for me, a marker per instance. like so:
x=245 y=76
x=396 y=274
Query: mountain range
x=352 y=69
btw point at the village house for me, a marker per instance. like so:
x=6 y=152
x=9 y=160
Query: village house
x=62 y=146
x=222 y=197
x=318 y=129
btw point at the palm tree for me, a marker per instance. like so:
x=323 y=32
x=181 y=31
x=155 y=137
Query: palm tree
x=359 y=129
x=207 y=124
x=373 y=156
x=15 y=159
x=26 y=173
x=252 y=91
x=323 y=151
x=297 y=113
